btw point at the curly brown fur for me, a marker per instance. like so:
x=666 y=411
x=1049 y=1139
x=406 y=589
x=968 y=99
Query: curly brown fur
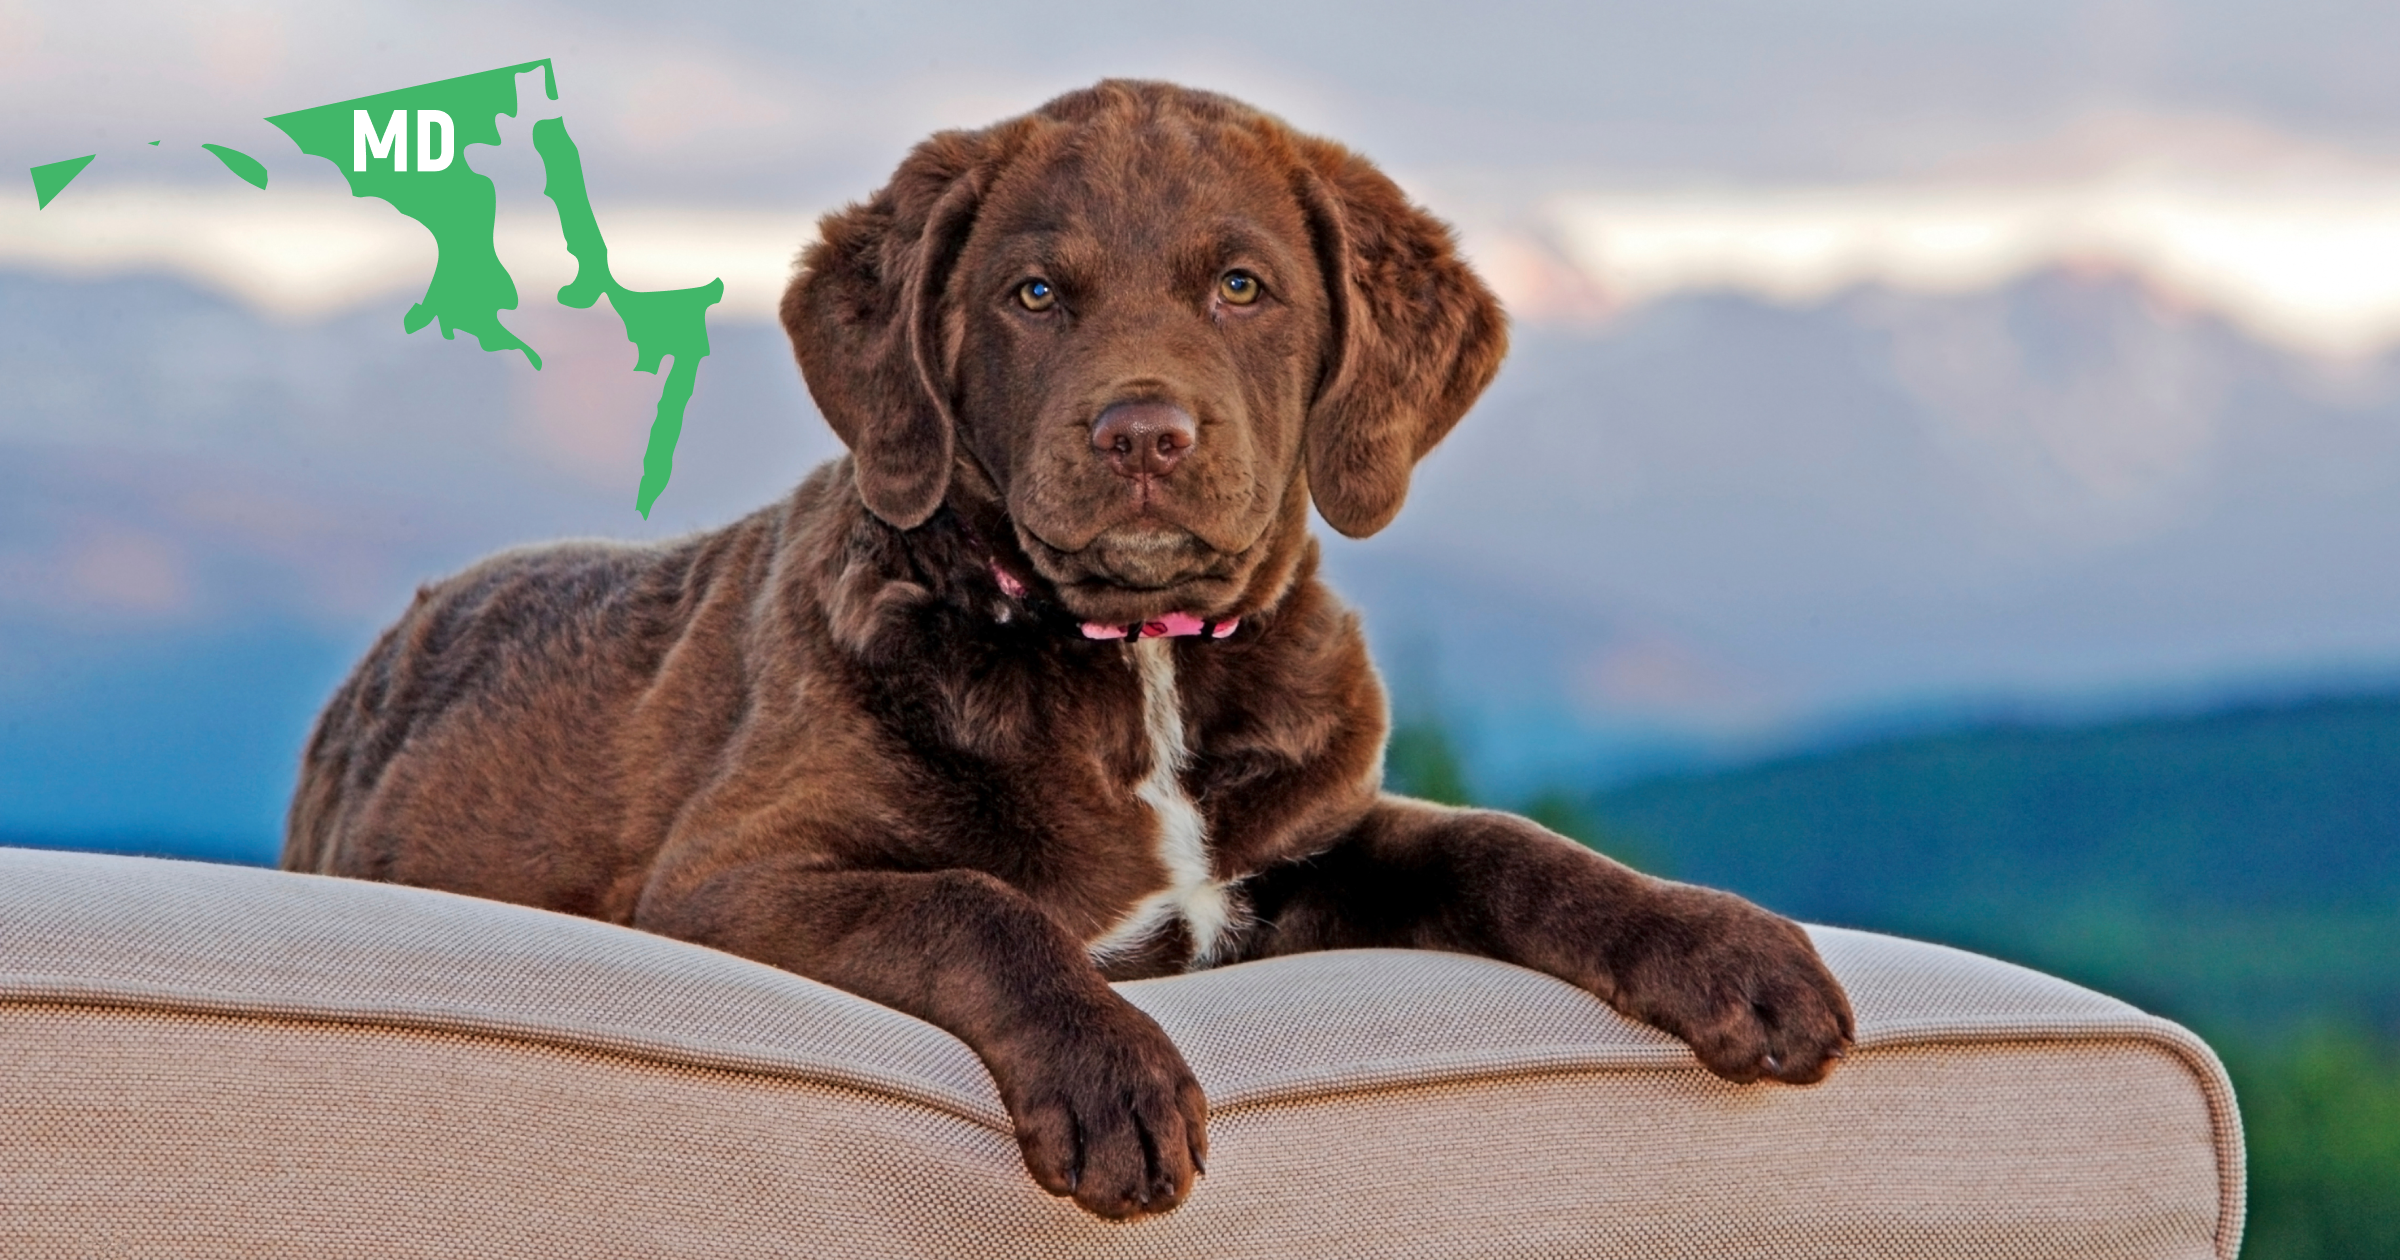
x=859 y=735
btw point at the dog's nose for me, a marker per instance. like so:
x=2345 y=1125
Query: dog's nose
x=1144 y=439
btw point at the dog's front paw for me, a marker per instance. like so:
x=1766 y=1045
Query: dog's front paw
x=1744 y=987
x=1107 y=1113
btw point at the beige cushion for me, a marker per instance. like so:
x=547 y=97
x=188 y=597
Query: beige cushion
x=220 y=1061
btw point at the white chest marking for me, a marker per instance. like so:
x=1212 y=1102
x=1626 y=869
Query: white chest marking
x=1190 y=893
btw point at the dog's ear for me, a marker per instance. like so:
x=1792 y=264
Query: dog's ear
x=1416 y=336
x=865 y=317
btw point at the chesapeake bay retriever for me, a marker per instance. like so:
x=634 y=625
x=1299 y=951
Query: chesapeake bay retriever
x=1037 y=688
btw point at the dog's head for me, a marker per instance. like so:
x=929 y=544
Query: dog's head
x=1151 y=323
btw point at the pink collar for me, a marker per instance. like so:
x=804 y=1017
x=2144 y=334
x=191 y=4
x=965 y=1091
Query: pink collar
x=1174 y=625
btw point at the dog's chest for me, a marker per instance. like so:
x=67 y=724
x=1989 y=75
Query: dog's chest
x=1192 y=896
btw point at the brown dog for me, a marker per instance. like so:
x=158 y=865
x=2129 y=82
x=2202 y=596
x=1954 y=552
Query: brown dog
x=1038 y=687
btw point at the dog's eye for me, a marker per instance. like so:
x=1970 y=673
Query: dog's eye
x=1036 y=295
x=1238 y=287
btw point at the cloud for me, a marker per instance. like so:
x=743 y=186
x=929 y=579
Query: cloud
x=2283 y=261
x=1649 y=154
x=2214 y=215
x=303 y=253
x=125 y=570
x=1650 y=675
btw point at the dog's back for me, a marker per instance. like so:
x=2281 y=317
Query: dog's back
x=508 y=710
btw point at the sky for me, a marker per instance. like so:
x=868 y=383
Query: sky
x=1875 y=354
x=777 y=101
x=1596 y=156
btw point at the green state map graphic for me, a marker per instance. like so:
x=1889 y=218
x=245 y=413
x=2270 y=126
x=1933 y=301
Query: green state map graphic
x=408 y=149
x=666 y=323
x=458 y=205
x=51 y=178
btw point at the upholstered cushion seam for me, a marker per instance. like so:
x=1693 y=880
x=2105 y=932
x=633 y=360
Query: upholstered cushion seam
x=32 y=991
x=1310 y=1085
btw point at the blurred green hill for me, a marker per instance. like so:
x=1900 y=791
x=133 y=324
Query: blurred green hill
x=2238 y=871
x=2240 y=868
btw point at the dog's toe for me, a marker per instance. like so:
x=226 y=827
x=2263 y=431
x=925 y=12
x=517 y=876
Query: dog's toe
x=1048 y=1137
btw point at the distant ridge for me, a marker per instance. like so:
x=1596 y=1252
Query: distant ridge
x=2237 y=866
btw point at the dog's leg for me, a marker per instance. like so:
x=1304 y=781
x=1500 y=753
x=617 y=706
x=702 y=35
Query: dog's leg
x=1744 y=987
x=1105 y=1109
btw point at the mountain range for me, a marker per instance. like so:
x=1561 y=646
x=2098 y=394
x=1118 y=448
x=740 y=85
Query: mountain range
x=1709 y=529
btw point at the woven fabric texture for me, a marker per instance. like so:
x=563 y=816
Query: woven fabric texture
x=222 y=1061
